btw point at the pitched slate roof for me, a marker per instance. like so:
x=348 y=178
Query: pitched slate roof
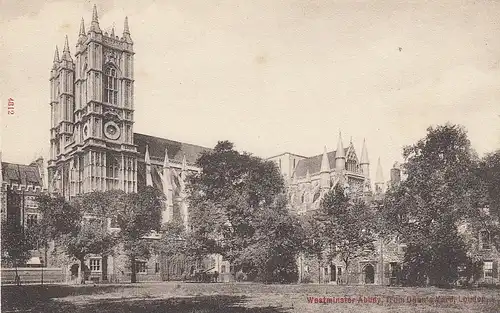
x=21 y=174
x=313 y=164
x=176 y=150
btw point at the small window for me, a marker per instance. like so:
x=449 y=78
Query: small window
x=95 y=265
x=223 y=269
x=140 y=267
x=488 y=269
x=157 y=267
x=31 y=219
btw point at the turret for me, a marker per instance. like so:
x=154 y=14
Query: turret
x=379 y=179
x=325 y=171
x=364 y=161
x=340 y=155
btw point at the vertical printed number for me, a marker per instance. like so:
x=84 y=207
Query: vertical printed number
x=10 y=106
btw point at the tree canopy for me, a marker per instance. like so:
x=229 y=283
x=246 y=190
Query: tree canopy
x=441 y=192
x=232 y=200
x=348 y=225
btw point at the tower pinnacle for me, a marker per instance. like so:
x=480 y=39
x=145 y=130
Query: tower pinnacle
x=82 y=28
x=340 y=148
x=56 y=56
x=325 y=163
x=66 y=54
x=184 y=163
x=325 y=171
x=364 y=161
x=126 y=31
x=379 y=179
x=94 y=14
x=364 y=154
x=147 y=160
x=340 y=155
x=94 y=26
x=166 y=161
x=379 y=175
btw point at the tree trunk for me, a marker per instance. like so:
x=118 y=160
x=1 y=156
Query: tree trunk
x=133 y=276
x=346 y=272
x=82 y=271
x=46 y=261
x=319 y=271
x=17 y=279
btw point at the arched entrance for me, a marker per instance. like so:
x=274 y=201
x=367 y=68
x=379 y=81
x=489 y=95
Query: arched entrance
x=74 y=271
x=333 y=273
x=369 y=274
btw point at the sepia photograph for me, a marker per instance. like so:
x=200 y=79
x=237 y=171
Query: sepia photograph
x=265 y=156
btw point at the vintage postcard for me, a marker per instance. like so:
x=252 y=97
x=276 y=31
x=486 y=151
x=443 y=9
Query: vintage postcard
x=250 y=156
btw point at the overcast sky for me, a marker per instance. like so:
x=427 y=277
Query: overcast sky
x=272 y=76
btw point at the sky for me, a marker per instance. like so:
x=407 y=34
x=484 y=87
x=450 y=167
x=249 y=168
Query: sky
x=271 y=76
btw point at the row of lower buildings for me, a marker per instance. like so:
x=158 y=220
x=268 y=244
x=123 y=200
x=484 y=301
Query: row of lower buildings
x=93 y=147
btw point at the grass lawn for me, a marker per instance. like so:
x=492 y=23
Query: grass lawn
x=243 y=297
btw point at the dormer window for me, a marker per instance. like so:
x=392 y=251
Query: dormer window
x=111 y=86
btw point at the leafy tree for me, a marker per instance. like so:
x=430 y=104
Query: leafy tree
x=173 y=240
x=348 y=225
x=58 y=218
x=80 y=227
x=442 y=191
x=137 y=215
x=314 y=244
x=16 y=245
x=90 y=237
x=489 y=172
x=226 y=199
x=276 y=244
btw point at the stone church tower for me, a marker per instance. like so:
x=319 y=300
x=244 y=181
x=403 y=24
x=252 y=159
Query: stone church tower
x=92 y=114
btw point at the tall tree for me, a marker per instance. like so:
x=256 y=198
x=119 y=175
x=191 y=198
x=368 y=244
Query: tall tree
x=489 y=172
x=226 y=200
x=276 y=244
x=348 y=225
x=314 y=242
x=17 y=244
x=441 y=192
x=137 y=215
x=80 y=227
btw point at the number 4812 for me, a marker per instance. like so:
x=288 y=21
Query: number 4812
x=10 y=106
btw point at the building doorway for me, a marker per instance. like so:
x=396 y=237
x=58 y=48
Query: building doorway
x=369 y=274
x=333 y=273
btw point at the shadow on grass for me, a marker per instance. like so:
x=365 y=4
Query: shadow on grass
x=22 y=297
x=44 y=300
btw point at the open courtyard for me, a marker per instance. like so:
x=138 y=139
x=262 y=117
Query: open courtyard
x=244 y=297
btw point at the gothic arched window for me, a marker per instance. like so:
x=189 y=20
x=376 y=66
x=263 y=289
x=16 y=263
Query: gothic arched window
x=110 y=86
